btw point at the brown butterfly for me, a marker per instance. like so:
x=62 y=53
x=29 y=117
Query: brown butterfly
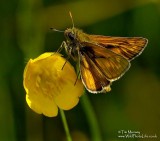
x=102 y=59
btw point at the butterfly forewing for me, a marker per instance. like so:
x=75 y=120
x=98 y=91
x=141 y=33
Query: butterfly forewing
x=128 y=47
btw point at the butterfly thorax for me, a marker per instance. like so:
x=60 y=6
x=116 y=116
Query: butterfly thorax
x=74 y=41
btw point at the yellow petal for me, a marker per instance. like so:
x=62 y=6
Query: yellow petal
x=35 y=102
x=68 y=96
x=47 y=85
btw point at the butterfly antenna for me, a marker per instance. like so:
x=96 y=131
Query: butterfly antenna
x=70 y=14
x=56 y=30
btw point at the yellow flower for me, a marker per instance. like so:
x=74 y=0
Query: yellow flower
x=48 y=86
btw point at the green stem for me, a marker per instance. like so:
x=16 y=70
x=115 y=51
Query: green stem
x=91 y=117
x=65 y=124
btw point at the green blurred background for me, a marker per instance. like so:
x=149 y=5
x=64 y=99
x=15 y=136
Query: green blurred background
x=133 y=103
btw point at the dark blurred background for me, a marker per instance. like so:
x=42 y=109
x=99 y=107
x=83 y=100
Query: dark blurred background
x=133 y=103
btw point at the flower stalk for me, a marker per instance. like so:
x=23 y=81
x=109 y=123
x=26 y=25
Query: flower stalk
x=91 y=117
x=65 y=124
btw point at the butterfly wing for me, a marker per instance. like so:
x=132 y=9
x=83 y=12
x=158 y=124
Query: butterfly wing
x=99 y=66
x=128 y=47
x=92 y=77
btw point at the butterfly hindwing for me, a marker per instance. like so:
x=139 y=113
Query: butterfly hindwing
x=91 y=76
x=110 y=64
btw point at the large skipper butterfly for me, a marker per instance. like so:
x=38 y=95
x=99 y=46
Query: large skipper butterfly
x=102 y=59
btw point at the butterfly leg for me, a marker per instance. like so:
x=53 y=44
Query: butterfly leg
x=63 y=45
x=65 y=62
x=78 y=76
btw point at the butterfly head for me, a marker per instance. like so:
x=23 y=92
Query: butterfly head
x=70 y=34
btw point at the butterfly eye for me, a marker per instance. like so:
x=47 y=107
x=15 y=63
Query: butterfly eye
x=71 y=36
